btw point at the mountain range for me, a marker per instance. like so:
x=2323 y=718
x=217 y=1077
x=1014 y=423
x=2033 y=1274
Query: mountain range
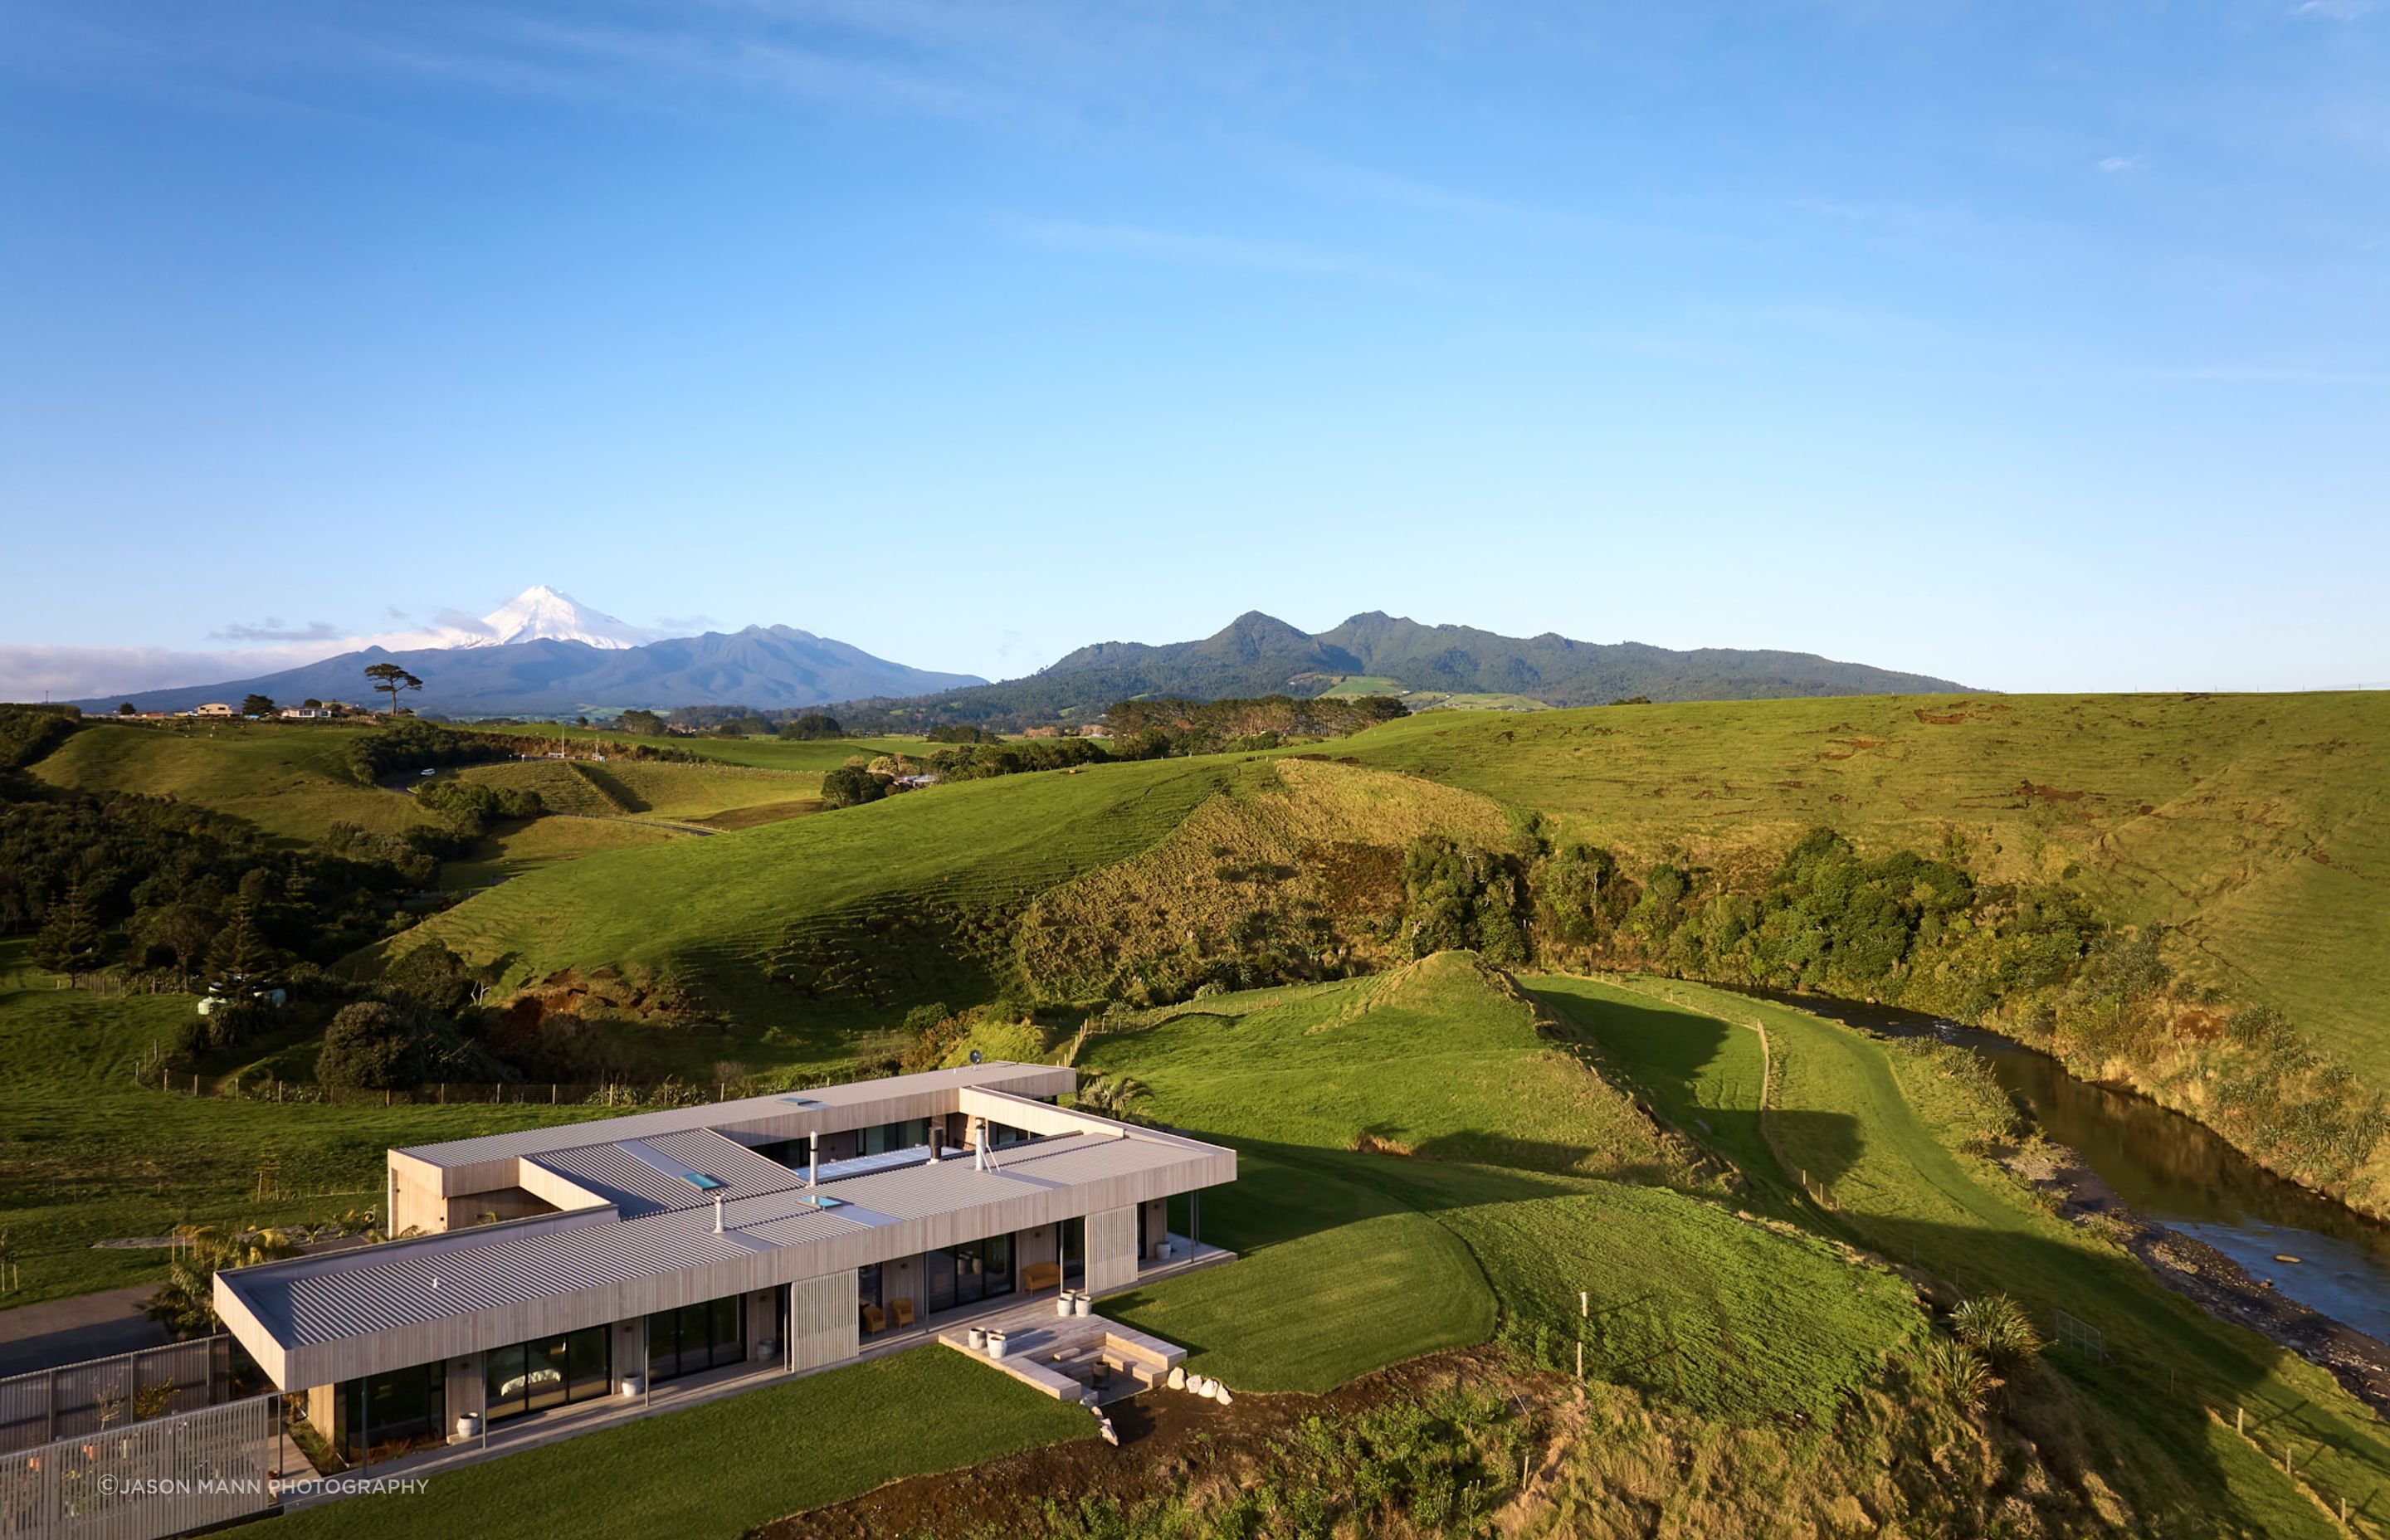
x=544 y=652
x=1258 y=654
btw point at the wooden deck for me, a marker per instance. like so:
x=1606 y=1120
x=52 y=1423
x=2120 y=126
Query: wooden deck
x=1066 y=1356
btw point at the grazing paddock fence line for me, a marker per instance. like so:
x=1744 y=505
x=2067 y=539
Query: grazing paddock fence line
x=147 y=1481
x=111 y=1394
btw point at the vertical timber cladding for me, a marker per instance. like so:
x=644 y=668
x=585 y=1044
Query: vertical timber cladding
x=1111 y=1250
x=825 y=1325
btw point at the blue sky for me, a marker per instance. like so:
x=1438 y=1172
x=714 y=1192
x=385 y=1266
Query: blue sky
x=2040 y=346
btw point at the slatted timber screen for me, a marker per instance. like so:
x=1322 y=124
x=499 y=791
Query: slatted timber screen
x=146 y=1480
x=114 y=1392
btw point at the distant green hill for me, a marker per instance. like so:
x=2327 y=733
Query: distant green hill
x=1257 y=654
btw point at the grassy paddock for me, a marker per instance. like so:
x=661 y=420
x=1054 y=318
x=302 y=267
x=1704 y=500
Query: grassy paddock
x=86 y=1155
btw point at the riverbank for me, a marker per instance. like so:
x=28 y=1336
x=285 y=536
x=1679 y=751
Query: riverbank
x=2206 y=1277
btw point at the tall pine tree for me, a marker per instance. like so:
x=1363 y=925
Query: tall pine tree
x=69 y=942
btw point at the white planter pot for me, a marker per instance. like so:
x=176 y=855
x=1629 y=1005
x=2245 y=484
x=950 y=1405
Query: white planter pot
x=979 y=1338
x=1083 y=1305
x=470 y=1425
x=633 y=1384
x=996 y=1345
x=1061 y=1304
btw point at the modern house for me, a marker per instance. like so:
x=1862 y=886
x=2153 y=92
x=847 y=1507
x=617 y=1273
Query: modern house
x=214 y=708
x=559 y=1265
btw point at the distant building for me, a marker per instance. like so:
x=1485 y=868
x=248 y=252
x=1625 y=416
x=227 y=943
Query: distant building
x=1041 y=732
x=1094 y=729
x=216 y=708
x=306 y=714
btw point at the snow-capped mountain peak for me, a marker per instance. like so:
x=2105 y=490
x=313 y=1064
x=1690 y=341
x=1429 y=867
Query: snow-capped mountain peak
x=543 y=612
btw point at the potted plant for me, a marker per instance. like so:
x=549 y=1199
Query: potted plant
x=979 y=1338
x=1083 y=1304
x=996 y=1343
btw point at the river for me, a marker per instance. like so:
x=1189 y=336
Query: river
x=2173 y=1170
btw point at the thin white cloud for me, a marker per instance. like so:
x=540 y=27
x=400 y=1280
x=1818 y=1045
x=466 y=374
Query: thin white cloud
x=2332 y=10
x=2114 y=164
x=76 y=673
x=272 y=629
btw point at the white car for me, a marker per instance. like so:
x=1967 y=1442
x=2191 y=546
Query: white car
x=430 y=772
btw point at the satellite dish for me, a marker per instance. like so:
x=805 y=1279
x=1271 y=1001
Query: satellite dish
x=974 y=1055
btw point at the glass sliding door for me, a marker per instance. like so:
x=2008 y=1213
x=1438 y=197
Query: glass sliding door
x=393 y=1411
x=553 y=1371
x=697 y=1337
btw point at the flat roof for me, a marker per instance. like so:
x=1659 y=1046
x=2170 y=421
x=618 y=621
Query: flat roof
x=415 y=1281
x=726 y=1116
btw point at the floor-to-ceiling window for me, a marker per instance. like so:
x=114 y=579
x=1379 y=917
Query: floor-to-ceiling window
x=393 y=1411
x=880 y=1138
x=966 y=1274
x=551 y=1371
x=697 y=1337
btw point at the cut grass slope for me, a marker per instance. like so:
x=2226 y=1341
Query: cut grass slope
x=1443 y=1058
x=291 y=780
x=1879 y=1128
x=2259 y=825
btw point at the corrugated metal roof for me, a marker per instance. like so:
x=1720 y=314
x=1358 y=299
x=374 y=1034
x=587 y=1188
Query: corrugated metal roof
x=328 y=1298
x=647 y=1126
x=1088 y=1158
x=409 y=1290
x=616 y=1173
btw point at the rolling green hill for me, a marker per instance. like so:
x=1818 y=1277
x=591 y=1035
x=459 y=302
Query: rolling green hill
x=2257 y=827
x=290 y=779
x=1072 y=882
x=891 y=886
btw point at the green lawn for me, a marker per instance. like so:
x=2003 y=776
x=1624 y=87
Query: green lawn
x=1354 y=1259
x=1437 y=1057
x=1333 y=1278
x=720 y=1470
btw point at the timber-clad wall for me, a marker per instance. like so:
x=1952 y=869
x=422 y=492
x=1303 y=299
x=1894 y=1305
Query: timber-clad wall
x=825 y=1321
x=1111 y=1250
